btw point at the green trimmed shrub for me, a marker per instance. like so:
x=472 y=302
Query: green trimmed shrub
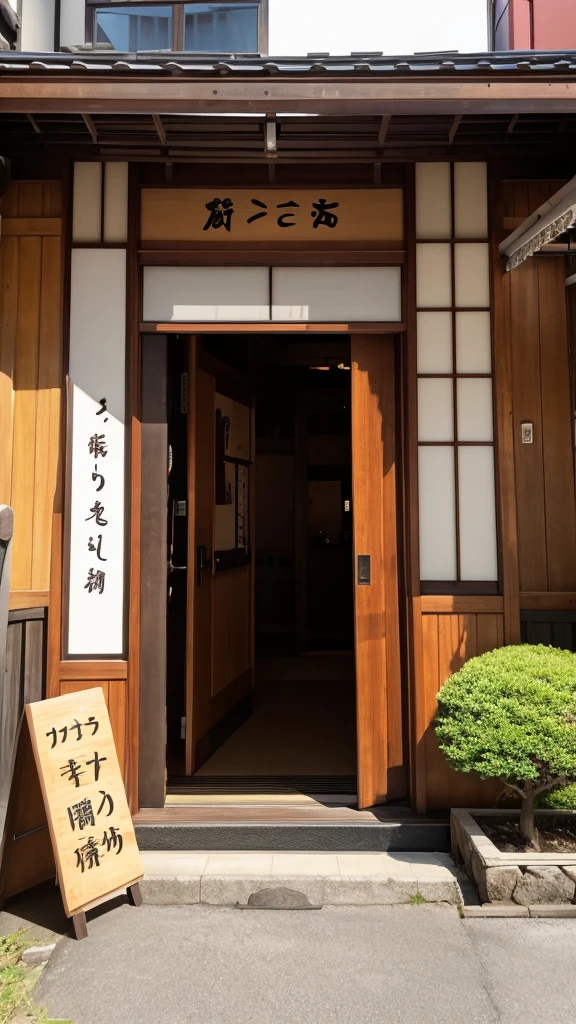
x=511 y=714
x=563 y=799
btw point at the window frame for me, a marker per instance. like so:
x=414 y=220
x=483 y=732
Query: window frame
x=177 y=20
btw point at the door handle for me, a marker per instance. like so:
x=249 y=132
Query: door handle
x=202 y=562
x=364 y=574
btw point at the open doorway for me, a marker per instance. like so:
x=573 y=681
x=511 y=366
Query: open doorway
x=274 y=582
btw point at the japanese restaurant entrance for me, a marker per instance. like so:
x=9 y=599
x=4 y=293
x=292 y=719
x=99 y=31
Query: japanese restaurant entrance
x=286 y=549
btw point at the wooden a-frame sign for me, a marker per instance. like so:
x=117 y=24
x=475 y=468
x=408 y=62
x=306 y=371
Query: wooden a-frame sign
x=67 y=813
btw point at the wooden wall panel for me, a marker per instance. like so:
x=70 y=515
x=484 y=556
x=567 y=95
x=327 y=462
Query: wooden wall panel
x=115 y=696
x=535 y=298
x=448 y=641
x=30 y=377
x=546 y=496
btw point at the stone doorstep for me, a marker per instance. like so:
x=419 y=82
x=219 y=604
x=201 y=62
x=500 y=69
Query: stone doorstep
x=335 y=890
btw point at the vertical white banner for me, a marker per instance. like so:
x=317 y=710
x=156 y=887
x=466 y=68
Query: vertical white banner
x=96 y=603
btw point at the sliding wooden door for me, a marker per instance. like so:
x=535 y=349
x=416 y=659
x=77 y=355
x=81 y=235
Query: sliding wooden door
x=376 y=605
x=219 y=642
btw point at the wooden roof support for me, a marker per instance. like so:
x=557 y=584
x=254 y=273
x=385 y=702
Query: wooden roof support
x=34 y=124
x=454 y=128
x=270 y=139
x=91 y=128
x=160 y=130
x=383 y=130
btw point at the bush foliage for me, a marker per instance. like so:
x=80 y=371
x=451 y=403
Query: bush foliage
x=511 y=714
x=559 y=799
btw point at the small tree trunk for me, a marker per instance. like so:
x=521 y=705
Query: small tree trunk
x=527 y=826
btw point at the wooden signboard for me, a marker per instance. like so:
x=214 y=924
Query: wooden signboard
x=91 y=830
x=281 y=216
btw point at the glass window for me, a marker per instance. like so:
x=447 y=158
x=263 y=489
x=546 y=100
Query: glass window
x=226 y=27
x=135 y=27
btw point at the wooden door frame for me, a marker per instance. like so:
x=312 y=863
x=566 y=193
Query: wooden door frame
x=387 y=336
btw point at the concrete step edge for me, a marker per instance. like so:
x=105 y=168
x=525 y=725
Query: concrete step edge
x=325 y=890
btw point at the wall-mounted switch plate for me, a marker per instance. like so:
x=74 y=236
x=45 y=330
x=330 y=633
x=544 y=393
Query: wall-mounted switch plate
x=527 y=433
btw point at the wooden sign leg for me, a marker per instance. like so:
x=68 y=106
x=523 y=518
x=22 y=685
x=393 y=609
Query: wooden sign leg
x=79 y=922
x=135 y=894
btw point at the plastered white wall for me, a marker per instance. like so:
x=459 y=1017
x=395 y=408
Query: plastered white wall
x=394 y=26
x=37 y=21
x=72 y=22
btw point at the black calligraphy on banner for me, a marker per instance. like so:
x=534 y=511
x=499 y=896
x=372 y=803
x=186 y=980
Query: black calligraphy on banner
x=221 y=212
x=98 y=449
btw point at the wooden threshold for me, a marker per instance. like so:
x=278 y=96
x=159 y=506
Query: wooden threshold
x=269 y=327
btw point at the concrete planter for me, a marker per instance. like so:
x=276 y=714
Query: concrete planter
x=524 y=879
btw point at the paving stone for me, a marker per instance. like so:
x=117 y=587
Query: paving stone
x=501 y=882
x=543 y=885
x=340 y=891
x=170 y=890
x=228 y=890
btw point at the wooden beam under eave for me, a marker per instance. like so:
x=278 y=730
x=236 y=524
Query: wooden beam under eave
x=322 y=95
x=160 y=130
x=383 y=130
x=91 y=128
x=454 y=128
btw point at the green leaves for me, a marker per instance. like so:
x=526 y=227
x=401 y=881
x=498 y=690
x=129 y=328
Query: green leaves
x=511 y=714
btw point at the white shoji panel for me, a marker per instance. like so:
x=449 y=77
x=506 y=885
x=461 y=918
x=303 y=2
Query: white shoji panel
x=434 y=342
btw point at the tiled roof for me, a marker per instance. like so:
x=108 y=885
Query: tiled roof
x=98 y=62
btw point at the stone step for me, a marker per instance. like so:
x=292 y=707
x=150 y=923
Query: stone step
x=227 y=878
x=380 y=836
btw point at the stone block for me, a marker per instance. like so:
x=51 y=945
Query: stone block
x=228 y=890
x=501 y=882
x=554 y=910
x=543 y=885
x=570 y=872
x=374 y=891
x=440 y=890
x=170 y=890
x=494 y=910
x=36 y=955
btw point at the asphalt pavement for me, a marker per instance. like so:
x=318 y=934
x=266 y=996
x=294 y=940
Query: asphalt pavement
x=411 y=964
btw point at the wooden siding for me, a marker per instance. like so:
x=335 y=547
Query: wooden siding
x=448 y=641
x=541 y=394
x=30 y=378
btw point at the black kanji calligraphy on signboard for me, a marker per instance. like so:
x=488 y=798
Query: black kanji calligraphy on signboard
x=90 y=825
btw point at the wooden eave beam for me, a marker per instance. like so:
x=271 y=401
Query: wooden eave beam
x=376 y=97
x=160 y=130
x=383 y=130
x=454 y=128
x=91 y=128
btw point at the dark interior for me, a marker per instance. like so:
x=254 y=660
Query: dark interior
x=302 y=549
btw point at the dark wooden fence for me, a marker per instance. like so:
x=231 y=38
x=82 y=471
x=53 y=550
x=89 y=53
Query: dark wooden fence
x=549 y=627
x=24 y=681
